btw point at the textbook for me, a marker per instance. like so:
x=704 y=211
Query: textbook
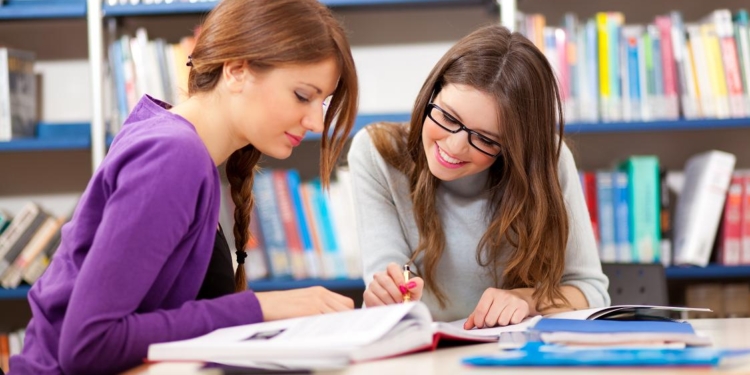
x=328 y=340
x=540 y=355
x=625 y=312
x=619 y=333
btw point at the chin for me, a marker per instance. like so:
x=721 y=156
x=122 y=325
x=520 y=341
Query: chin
x=440 y=173
x=278 y=153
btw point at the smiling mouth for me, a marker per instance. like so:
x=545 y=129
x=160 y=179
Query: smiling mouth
x=446 y=159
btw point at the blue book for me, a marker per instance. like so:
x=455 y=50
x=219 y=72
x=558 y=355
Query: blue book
x=271 y=225
x=624 y=254
x=611 y=326
x=537 y=355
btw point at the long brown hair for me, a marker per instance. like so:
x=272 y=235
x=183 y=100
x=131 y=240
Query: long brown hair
x=526 y=207
x=268 y=34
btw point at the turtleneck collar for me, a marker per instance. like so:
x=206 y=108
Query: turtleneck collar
x=469 y=186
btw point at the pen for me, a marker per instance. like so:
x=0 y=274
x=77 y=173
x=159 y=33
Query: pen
x=407 y=298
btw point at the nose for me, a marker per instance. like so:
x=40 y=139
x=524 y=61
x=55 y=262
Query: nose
x=458 y=143
x=313 y=120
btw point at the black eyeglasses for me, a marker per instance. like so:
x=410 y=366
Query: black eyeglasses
x=451 y=125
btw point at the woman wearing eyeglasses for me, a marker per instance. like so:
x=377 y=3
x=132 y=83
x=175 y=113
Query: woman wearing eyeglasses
x=478 y=192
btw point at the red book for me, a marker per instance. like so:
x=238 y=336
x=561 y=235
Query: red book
x=589 y=179
x=289 y=221
x=731 y=229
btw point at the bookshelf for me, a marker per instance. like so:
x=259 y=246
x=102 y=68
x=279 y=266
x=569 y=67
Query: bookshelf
x=203 y=6
x=710 y=272
x=98 y=13
x=22 y=10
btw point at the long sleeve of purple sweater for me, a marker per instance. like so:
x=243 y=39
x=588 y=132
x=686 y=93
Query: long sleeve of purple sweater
x=133 y=256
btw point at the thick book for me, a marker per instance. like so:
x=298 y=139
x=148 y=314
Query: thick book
x=621 y=334
x=624 y=312
x=18 y=98
x=328 y=340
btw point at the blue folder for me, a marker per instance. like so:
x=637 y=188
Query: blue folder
x=539 y=355
x=610 y=326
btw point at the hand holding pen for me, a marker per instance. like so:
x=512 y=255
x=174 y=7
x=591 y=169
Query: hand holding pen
x=392 y=287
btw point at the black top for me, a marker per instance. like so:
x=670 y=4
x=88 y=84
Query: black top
x=219 y=279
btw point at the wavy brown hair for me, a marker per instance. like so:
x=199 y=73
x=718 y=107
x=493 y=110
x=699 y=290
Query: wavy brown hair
x=526 y=209
x=268 y=34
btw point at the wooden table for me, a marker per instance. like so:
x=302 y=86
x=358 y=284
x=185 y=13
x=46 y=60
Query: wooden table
x=725 y=333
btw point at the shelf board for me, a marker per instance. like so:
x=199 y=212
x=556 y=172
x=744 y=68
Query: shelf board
x=257 y=285
x=43 y=9
x=712 y=271
x=612 y=127
x=203 y=6
x=52 y=137
x=364 y=120
x=17 y=293
x=335 y=284
x=51 y=144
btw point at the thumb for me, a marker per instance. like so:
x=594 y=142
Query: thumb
x=415 y=286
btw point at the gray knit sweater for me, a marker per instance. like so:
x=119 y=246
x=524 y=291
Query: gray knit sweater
x=388 y=233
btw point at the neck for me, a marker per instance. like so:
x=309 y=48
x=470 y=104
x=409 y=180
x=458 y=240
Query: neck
x=202 y=110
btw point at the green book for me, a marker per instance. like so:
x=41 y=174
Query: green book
x=644 y=200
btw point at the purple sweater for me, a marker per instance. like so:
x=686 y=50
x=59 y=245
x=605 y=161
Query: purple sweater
x=134 y=256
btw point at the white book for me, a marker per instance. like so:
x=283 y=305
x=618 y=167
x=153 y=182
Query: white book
x=699 y=206
x=328 y=340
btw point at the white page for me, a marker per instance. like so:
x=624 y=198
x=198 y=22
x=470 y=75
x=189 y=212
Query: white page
x=458 y=326
x=323 y=336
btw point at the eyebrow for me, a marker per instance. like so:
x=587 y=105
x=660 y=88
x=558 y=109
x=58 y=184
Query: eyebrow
x=313 y=86
x=455 y=114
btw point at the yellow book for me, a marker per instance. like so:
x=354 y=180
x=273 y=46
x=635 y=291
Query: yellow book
x=602 y=35
x=715 y=69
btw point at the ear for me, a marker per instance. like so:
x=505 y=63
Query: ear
x=236 y=74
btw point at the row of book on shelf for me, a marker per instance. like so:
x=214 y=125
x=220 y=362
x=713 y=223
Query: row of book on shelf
x=27 y=243
x=18 y=97
x=11 y=343
x=664 y=70
x=634 y=219
x=298 y=229
x=139 y=66
x=731 y=300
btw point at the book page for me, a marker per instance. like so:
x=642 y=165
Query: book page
x=456 y=328
x=355 y=327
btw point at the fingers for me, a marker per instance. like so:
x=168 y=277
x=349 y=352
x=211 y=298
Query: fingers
x=496 y=310
x=469 y=323
x=334 y=300
x=518 y=316
x=396 y=273
x=336 y=304
x=371 y=300
x=377 y=289
x=483 y=307
x=415 y=287
x=504 y=318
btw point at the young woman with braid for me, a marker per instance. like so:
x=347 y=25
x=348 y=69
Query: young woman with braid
x=134 y=258
x=479 y=192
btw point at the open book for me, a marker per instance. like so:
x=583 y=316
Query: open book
x=624 y=312
x=329 y=340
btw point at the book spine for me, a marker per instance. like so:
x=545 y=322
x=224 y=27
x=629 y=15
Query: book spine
x=312 y=262
x=745 y=222
x=290 y=225
x=605 y=203
x=273 y=230
x=731 y=226
x=621 y=215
